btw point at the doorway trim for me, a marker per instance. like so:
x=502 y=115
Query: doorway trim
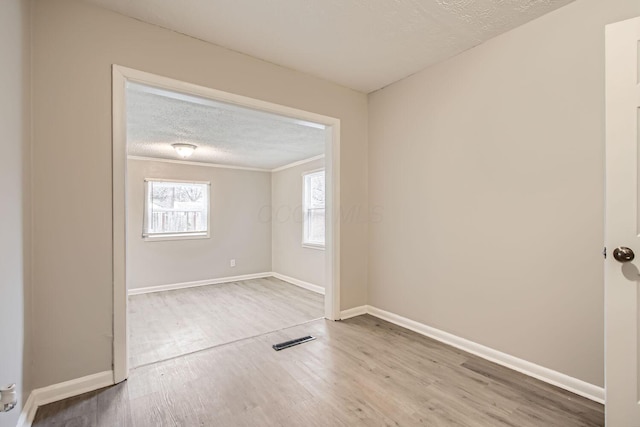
x=120 y=76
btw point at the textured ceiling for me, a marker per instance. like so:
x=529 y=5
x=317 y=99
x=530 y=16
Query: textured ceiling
x=225 y=134
x=361 y=44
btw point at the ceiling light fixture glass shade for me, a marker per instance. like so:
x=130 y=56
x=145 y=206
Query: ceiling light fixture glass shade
x=184 y=150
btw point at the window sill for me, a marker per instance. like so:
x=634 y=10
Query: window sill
x=166 y=237
x=312 y=246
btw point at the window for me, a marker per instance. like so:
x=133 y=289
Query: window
x=313 y=209
x=175 y=209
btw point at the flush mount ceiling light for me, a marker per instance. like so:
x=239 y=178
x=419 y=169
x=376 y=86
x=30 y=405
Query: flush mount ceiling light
x=184 y=150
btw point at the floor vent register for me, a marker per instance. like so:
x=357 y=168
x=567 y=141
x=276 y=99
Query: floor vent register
x=291 y=343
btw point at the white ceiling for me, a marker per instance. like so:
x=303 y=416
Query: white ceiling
x=361 y=44
x=225 y=134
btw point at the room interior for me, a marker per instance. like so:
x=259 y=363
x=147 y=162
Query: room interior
x=255 y=269
x=472 y=172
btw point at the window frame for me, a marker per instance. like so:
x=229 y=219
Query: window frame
x=192 y=235
x=305 y=243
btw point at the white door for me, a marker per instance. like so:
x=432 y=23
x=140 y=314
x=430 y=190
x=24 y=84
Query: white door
x=622 y=275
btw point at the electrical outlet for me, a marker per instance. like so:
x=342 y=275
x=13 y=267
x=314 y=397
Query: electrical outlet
x=232 y=263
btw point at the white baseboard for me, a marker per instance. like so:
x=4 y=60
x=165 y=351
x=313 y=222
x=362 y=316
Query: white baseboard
x=183 y=285
x=547 y=375
x=353 y=312
x=56 y=392
x=308 y=286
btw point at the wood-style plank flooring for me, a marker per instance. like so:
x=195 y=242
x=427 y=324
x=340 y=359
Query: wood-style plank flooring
x=359 y=372
x=167 y=324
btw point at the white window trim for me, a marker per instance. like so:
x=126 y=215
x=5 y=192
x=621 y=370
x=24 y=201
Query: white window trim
x=312 y=246
x=181 y=236
x=309 y=245
x=160 y=237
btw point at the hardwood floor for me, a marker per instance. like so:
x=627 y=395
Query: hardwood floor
x=167 y=324
x=358 y=372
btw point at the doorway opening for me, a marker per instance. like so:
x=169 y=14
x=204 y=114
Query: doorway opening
x=208 y=237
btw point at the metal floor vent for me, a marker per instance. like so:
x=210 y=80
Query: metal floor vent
x=291 y=343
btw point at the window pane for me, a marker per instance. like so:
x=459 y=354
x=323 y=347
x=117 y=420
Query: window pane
x=314 y=208
x=316 y=196
x=176 y=207
x=316 y=226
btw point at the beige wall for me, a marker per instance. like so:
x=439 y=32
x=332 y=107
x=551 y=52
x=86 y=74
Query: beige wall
x=489 y=170
x=289 y=257
x=486 y=169
x=74 y=45
x=14 y=208
x=237 y=231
